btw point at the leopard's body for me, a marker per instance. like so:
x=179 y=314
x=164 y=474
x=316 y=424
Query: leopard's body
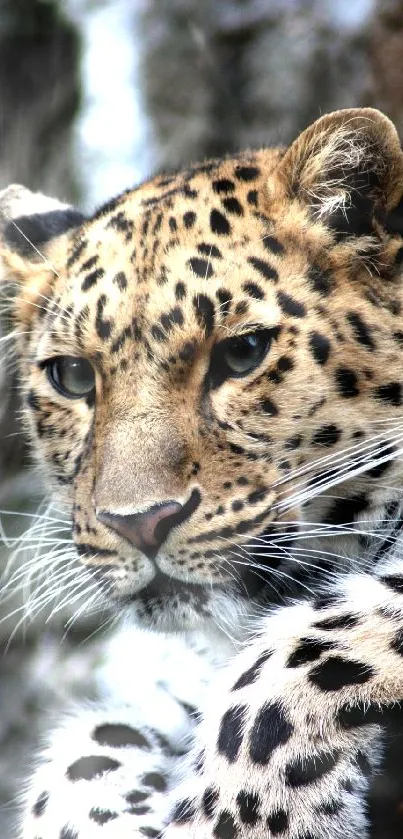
x=212 y=369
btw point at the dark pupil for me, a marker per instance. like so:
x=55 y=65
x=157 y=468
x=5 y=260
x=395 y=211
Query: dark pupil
x=242 y=353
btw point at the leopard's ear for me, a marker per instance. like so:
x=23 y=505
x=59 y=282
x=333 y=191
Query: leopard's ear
x=348 y=168
x=32 y=236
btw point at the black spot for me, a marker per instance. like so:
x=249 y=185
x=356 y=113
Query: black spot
x=265 y=270
x=205 y=312
x=305 y=770
x=309 y=649
x=337 y=672
x=68 y=833
x=253 y=290
x=224 y=298
x=155 y=780
x=257 y=495
x=232 y=205
x=219 y=224
x=149 y=832
x=391 y=393
x=122 y=224
x=76 y=252
x=272 y=244
x=189 y=219
x=293 y=442
x=158 y=333
x=180 y=291
x=393 y=581
x=40 y=804
x=345 y=621
x=269 y=407
x=284 y=364
x=361 y=330
x=347 y=785
x=91 y=279
x=209 y=250
x=320 y=281
x=379 y=470
x=326 y=435
x=172 y=318
x=249 y=806
x=117 y=735
x=209 y=801
x=102 y=326
x=252 y=197
x=271 y=729
x=223 y=185
x=87 y=768
x=330 y=808
x=347 y=382
x=397 y=642
x=237 y=505
x=201 y=267
x=188 y=351
x=345 y=510
x=277 y=822
x=320 y=347
x=138 y=811
x=290 y=306
x=183 y=811
x=365 y=713
x=120 y=280
x=246 y=173
x=136 y=796
x=225 y=827
x=102 y=816
x=241 y=307
x=231 y=732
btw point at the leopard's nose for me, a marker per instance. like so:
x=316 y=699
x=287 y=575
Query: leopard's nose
x=148 y=530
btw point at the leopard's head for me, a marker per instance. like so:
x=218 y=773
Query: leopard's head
x=208 y=355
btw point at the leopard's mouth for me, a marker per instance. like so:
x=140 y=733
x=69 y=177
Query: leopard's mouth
x=244 y=580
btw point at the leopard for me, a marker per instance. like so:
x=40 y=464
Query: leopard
x=211 y=373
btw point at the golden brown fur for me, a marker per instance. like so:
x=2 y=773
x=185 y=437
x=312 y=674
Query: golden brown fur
x=292 y=241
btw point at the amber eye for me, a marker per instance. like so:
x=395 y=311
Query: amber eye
x=238 y=356
x=72 y=377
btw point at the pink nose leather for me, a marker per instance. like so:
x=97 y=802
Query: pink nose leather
x=146 y=531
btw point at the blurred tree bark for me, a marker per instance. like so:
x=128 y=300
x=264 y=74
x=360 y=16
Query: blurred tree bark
x=386 y=53
x=222 y=76
x=39 y=98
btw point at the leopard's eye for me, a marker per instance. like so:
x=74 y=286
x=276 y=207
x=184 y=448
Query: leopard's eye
x=238 y=356
x=72 y=377
x=242 y=354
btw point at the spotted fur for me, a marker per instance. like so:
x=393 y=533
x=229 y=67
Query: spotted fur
x=199 y=495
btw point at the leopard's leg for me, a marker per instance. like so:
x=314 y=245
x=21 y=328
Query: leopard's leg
x=293 y=735
x=106 y=773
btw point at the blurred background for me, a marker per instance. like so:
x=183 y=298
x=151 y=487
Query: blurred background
x=94 y=96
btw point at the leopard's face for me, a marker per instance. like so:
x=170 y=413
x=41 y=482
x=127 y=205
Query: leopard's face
x=192 y=351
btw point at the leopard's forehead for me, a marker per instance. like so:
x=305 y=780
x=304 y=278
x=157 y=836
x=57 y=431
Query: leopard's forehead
x=199 y=250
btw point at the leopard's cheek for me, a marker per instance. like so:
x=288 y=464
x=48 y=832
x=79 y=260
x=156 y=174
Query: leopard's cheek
x=62 y=431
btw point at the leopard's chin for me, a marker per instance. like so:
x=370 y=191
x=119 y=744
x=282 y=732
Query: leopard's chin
x=167 y=604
